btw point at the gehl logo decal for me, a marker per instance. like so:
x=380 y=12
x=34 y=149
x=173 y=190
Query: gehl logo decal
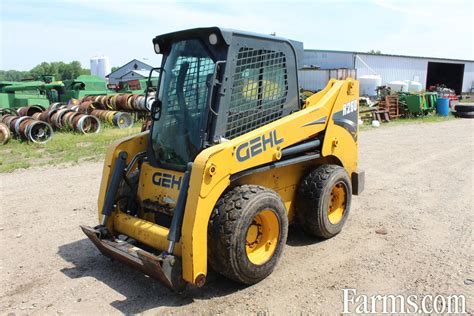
x=167 y=180
x=257 y=145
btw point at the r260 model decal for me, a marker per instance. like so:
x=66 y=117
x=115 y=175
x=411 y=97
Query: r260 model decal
x=257 y=145
x=349 y=107
x=347 y=118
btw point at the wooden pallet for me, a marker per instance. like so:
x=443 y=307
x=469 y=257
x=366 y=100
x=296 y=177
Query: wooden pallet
x=392 y=106
x=366 y=114
x=375 y=113
x=381 y=115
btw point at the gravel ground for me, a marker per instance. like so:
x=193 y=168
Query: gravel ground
x=411 y=232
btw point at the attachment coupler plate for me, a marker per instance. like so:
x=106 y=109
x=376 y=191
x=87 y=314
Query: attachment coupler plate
x=164 y=268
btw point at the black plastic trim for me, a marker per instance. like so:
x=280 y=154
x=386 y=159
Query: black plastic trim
x=276 y=164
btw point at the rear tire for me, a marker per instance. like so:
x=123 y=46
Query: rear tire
x=464 y=114
x=324 y=200
x=247 y=232
x=464 y=107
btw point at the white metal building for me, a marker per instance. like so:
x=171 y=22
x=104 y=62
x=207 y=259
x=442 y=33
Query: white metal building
x=135 y=74
x=134 y=69
x=454 y=73
x=316 y=79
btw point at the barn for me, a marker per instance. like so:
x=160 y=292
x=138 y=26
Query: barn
x=456 y=74
x=134 y=69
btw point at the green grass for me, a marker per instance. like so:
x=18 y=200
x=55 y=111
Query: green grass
x=431 y=118
x=64 y=147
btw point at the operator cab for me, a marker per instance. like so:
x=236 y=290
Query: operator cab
x=202 y=100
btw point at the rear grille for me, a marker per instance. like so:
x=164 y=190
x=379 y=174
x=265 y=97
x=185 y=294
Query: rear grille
x=259 y=90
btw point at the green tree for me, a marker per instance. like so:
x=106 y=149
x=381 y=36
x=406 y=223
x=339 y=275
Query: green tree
x=44 y=69
x=85 y=71
x=13 y=75
x=60 y=70
x=375 y=52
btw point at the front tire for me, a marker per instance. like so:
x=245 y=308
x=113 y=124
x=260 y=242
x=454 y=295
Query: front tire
x=247 y=232
x=324 y=200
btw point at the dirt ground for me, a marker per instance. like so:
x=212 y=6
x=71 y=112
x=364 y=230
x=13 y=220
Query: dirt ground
x=419 y=190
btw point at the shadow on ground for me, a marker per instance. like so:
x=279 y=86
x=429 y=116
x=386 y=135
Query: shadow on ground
x=143 y=293
x=297 y=237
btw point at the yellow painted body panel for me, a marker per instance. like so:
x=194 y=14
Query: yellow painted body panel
x=338 y=142
x=149 y=190
x=132 y=145
x=315 y=98
x=213 y=167
x=147 y=232
x=282 y=180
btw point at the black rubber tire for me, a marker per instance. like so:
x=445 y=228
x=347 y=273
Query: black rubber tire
x=464 y=114
x=464 y=107
x=313 y=198
x=228 y=227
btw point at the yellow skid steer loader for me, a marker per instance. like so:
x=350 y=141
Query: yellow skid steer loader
x=232 y=158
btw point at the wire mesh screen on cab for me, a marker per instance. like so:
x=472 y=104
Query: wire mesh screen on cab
x=259 y=90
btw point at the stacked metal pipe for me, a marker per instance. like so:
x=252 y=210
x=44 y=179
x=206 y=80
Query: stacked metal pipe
x=28 y=128
x=115 y=118
x=122 y=102
x=62 y=117
x=30 y=110
x=69 y=119
x=5 y=134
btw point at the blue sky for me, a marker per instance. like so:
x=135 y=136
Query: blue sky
x=66 y=30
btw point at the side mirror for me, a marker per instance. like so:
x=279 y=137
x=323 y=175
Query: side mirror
x=150 y=89
x=155 y=109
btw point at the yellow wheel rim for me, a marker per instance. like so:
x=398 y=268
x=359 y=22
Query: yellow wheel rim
x=262 y=237
x=337 y=203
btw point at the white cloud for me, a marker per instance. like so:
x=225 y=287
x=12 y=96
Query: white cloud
x=406 y=8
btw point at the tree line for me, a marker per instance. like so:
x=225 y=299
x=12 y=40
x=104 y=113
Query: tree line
x=60 y=70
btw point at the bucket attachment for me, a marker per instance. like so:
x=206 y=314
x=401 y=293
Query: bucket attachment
x=164 y=268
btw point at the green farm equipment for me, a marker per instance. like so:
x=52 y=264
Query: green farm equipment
x=418 y=103
x=83 y=86
x=17 y=94
x=136 y=86
x=431 y=99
